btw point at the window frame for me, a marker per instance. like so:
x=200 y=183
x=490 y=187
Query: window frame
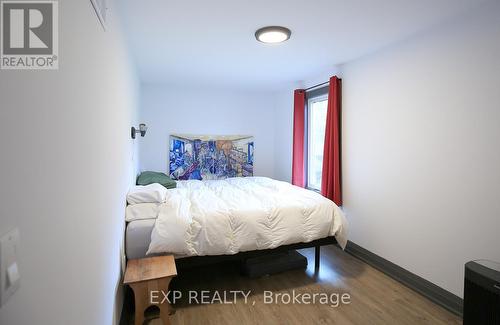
x=316 y=95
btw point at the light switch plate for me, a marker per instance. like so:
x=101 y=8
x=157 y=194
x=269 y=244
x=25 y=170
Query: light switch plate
x=9 y=272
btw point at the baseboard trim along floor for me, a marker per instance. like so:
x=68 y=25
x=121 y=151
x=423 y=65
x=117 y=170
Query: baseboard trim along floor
x=433 y=292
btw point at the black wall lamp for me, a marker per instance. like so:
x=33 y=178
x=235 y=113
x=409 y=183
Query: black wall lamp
x=142 y=130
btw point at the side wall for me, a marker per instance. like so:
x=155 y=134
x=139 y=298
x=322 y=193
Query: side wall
x=67 y=161
x=421 y=149
x=168 y=110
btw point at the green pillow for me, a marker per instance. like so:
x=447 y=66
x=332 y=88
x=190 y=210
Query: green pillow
x=146 y=178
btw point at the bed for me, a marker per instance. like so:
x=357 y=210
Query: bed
x=138 y=237
x=202 y=221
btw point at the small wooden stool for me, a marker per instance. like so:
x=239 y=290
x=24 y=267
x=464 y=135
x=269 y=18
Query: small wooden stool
x=150 y=274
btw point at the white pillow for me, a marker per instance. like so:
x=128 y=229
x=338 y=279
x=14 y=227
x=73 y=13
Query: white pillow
x=152 y=193
x=142 y=211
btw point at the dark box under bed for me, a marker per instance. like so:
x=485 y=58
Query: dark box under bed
x=273 y=263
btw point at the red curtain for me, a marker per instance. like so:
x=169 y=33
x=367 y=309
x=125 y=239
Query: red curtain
x=298 y=176
x=330 y=178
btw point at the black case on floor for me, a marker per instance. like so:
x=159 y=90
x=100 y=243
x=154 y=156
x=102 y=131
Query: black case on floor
x=273 y=263
x=482 y=293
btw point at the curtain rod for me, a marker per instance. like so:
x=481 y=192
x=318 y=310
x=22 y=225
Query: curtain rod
x=318 y=85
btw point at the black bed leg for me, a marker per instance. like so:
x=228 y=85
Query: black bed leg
x=316 y=258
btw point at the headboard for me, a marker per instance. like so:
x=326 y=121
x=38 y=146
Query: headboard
x=207 y=157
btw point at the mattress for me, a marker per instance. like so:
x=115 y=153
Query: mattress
x=138 y=237
x=224 y=217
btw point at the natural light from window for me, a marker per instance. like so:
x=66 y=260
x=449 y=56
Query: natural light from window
x=317 y=108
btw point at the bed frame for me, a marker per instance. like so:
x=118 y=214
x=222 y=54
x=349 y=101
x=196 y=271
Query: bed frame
x=194 y=261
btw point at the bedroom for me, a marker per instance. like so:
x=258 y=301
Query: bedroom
x=418 y=156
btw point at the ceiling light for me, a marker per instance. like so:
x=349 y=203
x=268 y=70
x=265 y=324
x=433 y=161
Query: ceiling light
x=272 y=34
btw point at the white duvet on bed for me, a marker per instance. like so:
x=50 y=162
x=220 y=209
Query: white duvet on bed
x=241 y=214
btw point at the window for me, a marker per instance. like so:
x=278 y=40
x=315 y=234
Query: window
x=316 y=125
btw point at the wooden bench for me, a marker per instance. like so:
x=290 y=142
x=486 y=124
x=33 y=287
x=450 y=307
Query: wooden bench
x=147 y=275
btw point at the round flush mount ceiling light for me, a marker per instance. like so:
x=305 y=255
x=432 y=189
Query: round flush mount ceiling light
x=272 y=34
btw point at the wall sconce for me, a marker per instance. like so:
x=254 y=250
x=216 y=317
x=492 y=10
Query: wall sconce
x=142 y=130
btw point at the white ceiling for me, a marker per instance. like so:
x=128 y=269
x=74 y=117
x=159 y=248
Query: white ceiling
x=212 y=42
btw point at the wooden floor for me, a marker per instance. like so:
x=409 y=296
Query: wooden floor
x=375 y=298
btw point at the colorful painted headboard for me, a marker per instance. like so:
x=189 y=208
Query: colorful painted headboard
x=210 y=157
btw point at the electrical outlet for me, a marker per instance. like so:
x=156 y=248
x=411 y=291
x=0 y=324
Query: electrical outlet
x=9 y=271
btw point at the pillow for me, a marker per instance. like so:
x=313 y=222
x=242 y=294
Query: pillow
x=153 y=193
x=142 y=211
x=146 y=178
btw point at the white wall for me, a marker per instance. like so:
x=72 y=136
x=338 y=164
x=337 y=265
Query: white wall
x=421 y=155
x=421 y=149
x=283 y=133
x=168 y=110
x=67 y=161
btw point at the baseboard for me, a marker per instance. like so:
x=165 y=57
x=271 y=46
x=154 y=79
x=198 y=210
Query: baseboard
x=436 y=294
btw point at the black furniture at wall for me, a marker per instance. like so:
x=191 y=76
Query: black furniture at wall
x=482 y=293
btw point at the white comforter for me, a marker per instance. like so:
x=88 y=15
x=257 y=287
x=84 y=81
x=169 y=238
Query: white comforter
x=242 y=214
